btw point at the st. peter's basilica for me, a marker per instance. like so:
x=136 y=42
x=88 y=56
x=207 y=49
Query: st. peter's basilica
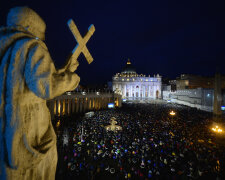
x=136 y=86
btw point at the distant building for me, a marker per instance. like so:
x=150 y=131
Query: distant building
x=190 y=81
x=136 y=86
x=200 y=98
x=170 y=85
x=173 y=85
x=196 y=91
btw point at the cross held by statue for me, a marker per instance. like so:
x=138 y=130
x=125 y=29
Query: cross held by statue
x=81 y=42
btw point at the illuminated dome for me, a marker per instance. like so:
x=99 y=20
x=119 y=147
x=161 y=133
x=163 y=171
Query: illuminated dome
x=129 y=68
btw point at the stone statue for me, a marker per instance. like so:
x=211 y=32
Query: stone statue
x=28 y=78
x=113 y=126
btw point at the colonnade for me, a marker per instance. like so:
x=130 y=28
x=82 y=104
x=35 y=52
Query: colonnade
x=69 y=104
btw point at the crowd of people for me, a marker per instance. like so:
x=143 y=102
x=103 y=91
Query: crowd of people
x=151 y=145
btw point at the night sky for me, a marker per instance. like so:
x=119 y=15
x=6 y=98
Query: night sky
x=165 y=37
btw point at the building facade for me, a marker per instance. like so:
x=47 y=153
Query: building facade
x=200 y=98
x=190 y=81
x=133 y=86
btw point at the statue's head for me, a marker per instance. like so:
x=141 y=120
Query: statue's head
x=28 y=19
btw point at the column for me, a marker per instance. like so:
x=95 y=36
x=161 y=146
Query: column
x=143 y=93
x=154 y=91
x=73 y=105
x=131 y=89
x=105 y=99
x=135 y=90
x=69 y=106
x=81 y=105
x=77 y=104
x=92 y=103
x=125 y=90
x=89 y=104
x=100 y=103
x=56 y=108
x=64 y=106
x=139 y=89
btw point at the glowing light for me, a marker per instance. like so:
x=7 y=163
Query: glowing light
x=217 y=129
x=128 y=62
x=172 y=113
x=111 y=105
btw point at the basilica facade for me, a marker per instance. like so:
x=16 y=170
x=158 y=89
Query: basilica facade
x=133 y=86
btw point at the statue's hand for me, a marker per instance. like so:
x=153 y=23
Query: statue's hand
x=73 y=65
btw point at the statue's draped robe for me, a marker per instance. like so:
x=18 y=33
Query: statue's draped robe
x=27 y=79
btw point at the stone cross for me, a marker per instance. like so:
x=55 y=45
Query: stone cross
x=81 y=42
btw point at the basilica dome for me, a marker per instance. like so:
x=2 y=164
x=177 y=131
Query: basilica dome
x=128 y=68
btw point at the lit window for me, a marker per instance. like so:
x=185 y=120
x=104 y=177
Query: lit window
x=146 y=80
x=122 y=79
x=128 y=79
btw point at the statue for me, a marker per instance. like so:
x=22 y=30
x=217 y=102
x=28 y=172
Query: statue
x=28 y=78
